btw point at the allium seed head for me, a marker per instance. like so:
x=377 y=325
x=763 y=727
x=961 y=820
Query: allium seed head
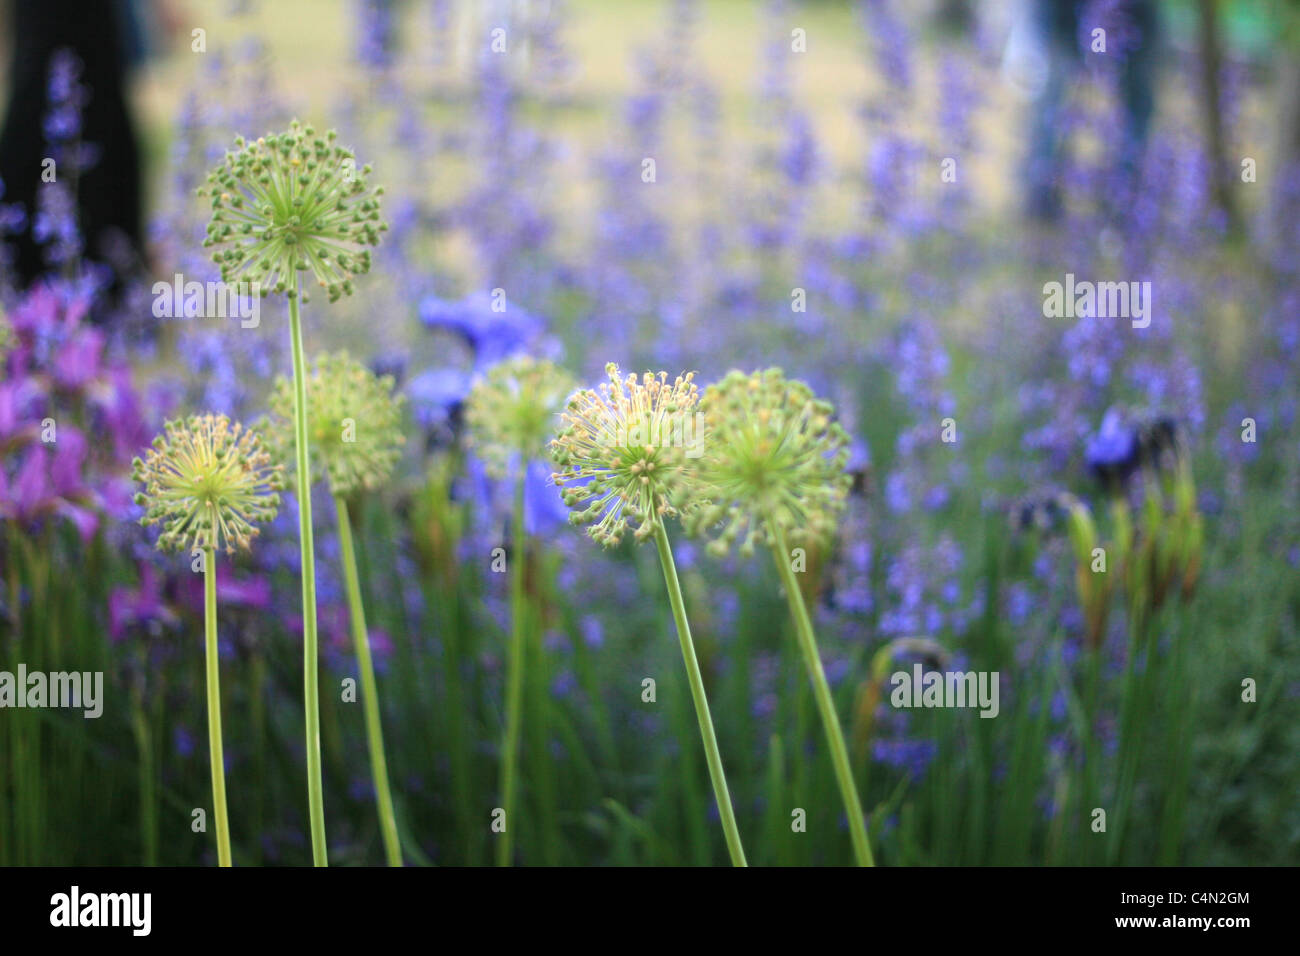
x=774 y=461
x=208 y=482
x=620 y=457
x=354 y=423
x=511 y=411
x=292 y=202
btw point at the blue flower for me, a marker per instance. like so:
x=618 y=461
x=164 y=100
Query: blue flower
x=437 y=395
x=1112 y=454
x=544 y=510
x=494 y=333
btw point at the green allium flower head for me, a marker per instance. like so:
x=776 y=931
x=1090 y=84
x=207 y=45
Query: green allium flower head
x=773 y=460
x=622 y=456
x=511 y=411
x=208 y=482
x=354 y=423
x=288 y=203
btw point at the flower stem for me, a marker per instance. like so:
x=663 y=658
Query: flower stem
x=716 y=774
x=148 y=787
x=515 y=672
x=215 y=753
x=310 y=664
x=369 y=691
x=825 y=703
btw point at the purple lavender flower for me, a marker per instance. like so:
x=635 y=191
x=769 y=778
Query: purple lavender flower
x=376 y=33
x=142 y=609
x=59 y=387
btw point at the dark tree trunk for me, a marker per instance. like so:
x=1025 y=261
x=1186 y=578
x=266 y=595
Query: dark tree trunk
x=1212 y=111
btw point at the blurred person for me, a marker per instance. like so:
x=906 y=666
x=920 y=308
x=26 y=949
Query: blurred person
x=1052 y=30
x=106 y=37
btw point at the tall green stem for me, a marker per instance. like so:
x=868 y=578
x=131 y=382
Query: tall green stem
x=310 y=664
x=148 y=787
x=822 y=692
x=369 y=691
x=696 y=680
x=215 y=753
x=515 y=671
